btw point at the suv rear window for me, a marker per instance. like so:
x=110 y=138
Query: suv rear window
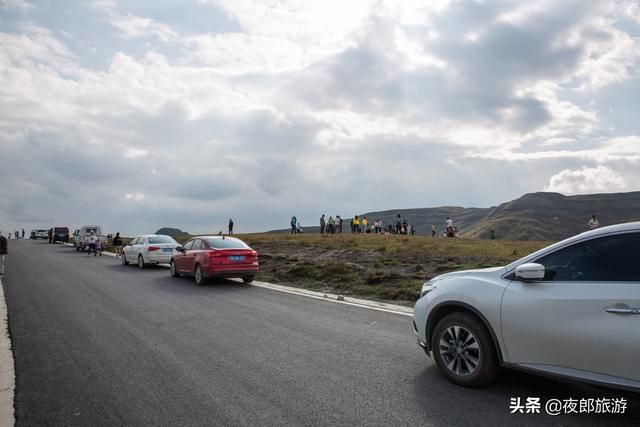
x=161 y=239
x=61 y=230
x=226 y=244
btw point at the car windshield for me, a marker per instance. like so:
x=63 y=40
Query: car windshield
x=227 y=244
x=60 y=230
x=161 y=239
x=91 y=230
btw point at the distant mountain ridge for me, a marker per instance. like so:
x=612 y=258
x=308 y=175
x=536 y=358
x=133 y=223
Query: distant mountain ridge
x=534 y=216
x=173 y=232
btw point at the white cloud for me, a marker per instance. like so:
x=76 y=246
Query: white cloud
x=137 y=197
x=135 y=153
x=136 y=27
x=309 y=101
x=21 y=5
x=586 y=181
x=132 y=26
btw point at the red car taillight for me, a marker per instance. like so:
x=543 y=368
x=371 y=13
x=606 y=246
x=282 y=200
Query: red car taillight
x=216 y=256
x=153 y=248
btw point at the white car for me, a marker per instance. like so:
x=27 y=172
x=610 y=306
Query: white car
x=149 y=249
x=42 y=234
x=570 y=310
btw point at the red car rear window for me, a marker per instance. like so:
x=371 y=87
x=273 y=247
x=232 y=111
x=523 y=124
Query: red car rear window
x=227 y=244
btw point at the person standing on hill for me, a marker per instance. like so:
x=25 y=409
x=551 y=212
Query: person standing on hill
x=356 y=224
x=338 y=224
x=4 y=245
x=322 y=224
x=364 y=224
x=449 y=227
x=230 y=226
x=294 y=222
x=433 y=230
x=593 y=223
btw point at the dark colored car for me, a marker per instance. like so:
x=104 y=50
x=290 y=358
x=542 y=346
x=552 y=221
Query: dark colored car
x=204 y=257
x=60 y=234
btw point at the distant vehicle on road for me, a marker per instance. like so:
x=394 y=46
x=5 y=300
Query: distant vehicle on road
x=82 y=235
x=40 y=234
x=205 y=257
x=60 y=234
x=570 y=310
x=149 y=249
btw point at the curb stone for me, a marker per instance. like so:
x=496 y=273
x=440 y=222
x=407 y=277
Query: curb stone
x=7 y=370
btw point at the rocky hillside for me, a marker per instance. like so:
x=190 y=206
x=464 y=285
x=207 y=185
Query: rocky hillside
x=534 y=216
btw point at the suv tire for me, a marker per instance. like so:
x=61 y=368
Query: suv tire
x=464 y=351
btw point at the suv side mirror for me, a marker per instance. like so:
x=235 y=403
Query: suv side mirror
x=530 y=272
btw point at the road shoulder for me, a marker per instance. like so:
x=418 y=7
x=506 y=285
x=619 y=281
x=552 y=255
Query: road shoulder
x=7 y=372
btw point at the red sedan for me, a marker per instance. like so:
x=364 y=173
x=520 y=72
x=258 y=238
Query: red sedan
x=215 y=256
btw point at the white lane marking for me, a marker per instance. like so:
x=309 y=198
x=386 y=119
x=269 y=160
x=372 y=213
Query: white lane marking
x=370 y=305
x=7 y=370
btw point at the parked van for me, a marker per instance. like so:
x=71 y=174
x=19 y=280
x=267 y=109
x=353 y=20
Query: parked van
x=81 y=236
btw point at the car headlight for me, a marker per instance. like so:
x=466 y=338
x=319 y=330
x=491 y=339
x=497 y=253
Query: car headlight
x=428 y=287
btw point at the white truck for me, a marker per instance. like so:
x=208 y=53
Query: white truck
x=81 y=236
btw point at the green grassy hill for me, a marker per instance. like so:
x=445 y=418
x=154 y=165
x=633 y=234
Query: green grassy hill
x=173 y=232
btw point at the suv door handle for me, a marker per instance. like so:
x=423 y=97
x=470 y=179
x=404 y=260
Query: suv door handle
x=625 y=310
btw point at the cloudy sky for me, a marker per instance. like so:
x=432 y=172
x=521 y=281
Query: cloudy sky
x=138 y=114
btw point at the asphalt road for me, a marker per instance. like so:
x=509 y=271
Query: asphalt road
x=98 y=343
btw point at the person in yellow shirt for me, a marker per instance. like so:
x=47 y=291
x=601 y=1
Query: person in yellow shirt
x=356 y=224
x=364 y=224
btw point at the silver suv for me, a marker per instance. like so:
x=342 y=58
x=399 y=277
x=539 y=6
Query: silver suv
x=571 y=309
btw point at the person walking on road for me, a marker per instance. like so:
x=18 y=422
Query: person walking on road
x=230 y=226
x=117 y=244
x=3 y=252
x=294 y=222
x=322 y=224
x=23 y=233
x=593 y=223
x=92 y=244
x=98 y=246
